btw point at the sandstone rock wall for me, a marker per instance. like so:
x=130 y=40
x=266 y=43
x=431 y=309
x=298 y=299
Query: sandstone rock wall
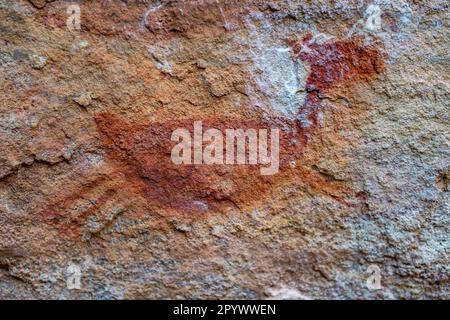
x=92 y=207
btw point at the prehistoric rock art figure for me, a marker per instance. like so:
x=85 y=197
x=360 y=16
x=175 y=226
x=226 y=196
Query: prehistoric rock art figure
x=140 y=153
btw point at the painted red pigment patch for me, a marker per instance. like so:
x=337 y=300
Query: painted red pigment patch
x=337 y=63
x=334 y=65
x=140 y=153
x=143 y=151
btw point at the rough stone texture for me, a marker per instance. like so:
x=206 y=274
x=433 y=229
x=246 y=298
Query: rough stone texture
x=360 y=89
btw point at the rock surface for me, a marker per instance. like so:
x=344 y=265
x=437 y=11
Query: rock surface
x=92 y=207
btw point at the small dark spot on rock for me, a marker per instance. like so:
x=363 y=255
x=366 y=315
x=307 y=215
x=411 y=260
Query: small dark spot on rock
x=4 y=266
x=19 y=55
x=443 y=181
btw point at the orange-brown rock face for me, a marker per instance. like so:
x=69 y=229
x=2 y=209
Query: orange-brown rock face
x=88 y=181
x=141 y=153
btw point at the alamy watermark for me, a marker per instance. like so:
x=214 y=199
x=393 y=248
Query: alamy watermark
x=74 y=17
x=373 y=282
x=73 y=280
x=242 y=147
x=74 y=272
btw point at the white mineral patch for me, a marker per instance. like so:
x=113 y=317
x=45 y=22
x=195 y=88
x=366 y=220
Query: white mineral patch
x=151 y=9
x=161 y=56
x=280 y=78
x=373 y=18
x=286 y=293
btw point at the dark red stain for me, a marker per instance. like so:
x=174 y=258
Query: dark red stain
x=143 y=151
x=337 y=63
x=334 y=65
x=140 y=153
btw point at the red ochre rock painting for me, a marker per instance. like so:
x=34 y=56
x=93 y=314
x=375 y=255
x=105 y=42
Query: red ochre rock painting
x=140 y=153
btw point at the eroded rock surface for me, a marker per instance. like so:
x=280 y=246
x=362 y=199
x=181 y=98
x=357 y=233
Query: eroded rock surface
x=91 y=205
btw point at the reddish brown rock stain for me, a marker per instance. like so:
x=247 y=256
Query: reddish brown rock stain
x=158 y=21
x=140 y=153
x=337 y=64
